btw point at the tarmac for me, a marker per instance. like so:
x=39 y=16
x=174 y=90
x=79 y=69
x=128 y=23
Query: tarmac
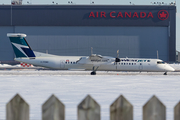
x=39 y=72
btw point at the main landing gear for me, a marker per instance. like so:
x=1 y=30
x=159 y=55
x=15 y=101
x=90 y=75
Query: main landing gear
x=94 y=70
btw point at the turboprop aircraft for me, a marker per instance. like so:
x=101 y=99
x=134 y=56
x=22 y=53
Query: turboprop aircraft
x=94 y=62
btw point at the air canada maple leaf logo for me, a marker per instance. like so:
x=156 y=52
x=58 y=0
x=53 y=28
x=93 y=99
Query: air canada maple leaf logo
x=163 y=14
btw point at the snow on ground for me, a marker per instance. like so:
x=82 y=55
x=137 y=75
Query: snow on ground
x=37 y=86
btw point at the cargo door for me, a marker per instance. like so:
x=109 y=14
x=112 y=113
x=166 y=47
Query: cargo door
x=140 y=66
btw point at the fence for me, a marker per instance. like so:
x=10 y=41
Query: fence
x=89 y=109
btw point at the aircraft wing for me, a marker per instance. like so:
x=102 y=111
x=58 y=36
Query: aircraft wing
x=95 y=60
x=95 y=57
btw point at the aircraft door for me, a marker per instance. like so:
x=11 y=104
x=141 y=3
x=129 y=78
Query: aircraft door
x=116 y=65
x=62 y=64
x=140 y=66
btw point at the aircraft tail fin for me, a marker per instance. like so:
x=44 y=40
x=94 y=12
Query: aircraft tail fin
x=20 y=46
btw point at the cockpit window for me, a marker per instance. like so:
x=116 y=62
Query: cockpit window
x=78 y=60
x=160 y=62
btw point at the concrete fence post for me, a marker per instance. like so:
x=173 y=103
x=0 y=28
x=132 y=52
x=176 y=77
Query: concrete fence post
x=89 y=109
x=53 y=109
x=154 y=110
x=121 y=109
x=17 y=109
x=177 y=111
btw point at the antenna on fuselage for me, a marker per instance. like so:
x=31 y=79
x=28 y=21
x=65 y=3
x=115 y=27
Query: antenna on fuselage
x=157 y=55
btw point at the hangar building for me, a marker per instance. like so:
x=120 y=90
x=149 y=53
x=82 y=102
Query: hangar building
x=134 y=30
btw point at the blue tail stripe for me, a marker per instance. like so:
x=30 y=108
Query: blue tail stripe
x=28 y=52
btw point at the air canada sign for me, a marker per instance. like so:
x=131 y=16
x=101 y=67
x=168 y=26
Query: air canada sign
x=115 y=14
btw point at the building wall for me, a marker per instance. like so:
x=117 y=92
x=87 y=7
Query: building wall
x=140 y=42
x=73 y=30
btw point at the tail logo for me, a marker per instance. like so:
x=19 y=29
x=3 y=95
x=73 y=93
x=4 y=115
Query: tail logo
x=20 y=47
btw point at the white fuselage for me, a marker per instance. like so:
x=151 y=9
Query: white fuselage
x=106 y=64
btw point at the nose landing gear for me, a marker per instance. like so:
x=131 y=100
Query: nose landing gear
x=93 y=73
x=165 y=73
x=94 y=70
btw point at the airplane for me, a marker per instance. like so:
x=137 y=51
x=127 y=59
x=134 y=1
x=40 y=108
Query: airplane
x=94 y=62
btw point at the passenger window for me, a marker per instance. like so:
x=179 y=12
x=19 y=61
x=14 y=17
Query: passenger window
x=121 y=63
x=132 y=63
x=129 y=63
x=148 y=60
x=124 y=63
x=144 y=60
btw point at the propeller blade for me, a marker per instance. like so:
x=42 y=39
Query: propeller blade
x=117 y=59
x=117 y=53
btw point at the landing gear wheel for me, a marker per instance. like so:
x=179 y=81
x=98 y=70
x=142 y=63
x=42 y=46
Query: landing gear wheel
x=165 y=73
x=93 y=73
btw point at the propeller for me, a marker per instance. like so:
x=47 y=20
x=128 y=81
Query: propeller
x=117 y=58
x=91 y=50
